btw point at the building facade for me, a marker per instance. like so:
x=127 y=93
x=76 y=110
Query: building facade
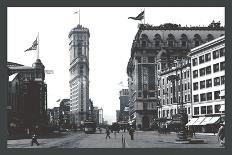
x=124 y=104
x=64 y=113
x=208 y=81
x=172 y=92
x=168 y=42
x=79 y=74
x=27 y=97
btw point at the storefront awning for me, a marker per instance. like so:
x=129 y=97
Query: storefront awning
x=206 y=120
x=191 y=121
x=222 y=108
x=198 y=121
x=214 y=120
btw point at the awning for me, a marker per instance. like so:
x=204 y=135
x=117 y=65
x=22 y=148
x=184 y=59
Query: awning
x=222 y=108
x=206 y=120
x=198 y=121
x=191 y=121
x=214 y=120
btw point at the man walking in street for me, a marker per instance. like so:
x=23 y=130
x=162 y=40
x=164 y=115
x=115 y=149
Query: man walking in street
x=221 y=135
x=107 y=133
x=34 y=140
x=131 y=133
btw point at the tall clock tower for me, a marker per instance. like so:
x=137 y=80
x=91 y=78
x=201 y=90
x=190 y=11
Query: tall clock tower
x=79 y=74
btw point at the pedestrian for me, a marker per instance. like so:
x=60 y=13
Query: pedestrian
x=131 y=133
x=107 y=133
x=100 y=130
x=221 y=135
x=34 y=140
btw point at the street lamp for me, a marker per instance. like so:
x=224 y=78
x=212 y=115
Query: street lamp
x=182 y=135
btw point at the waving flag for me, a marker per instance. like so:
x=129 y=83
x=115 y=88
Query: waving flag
x=139 y=17
x=33 y=46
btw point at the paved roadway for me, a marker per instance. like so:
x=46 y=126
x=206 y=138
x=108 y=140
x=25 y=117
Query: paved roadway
x=142 y=139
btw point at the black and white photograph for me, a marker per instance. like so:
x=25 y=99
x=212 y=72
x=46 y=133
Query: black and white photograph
x=116 y=77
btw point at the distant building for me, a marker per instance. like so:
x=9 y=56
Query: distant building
x=79 y=74
x=64 y=113
x=208 y=83
x=124 y=104
x=168 y=42
x=117 y=115
x=96 y=115
x=27 y=97
x=101 y=119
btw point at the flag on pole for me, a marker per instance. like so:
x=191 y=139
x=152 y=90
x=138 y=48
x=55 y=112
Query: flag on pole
x=139 y=17
x=33 y=46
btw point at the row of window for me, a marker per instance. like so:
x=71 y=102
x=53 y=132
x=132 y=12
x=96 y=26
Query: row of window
x=185 y=86
x=146 y=59
x=208 y=83
x=207 y=96
x=186 y=98
x=207 y=57
x=207 y=70
x=207 y=109
x=167 y=113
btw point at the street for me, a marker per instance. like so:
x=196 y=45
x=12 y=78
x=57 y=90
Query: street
x=142 y=139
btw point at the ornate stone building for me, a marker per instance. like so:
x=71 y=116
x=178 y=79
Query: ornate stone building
x=79 y=74
x=27 y=97
x=154 y=49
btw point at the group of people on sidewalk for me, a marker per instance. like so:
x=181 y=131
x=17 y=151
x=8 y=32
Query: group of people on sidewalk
x=131 y=133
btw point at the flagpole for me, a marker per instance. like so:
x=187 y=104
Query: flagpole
x=38 y=46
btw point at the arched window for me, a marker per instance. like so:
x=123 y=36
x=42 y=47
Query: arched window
x=157 y=40
x=197 y=40
x=144 y=40
x=210 y=37
x=171 y=40
x=183 y=40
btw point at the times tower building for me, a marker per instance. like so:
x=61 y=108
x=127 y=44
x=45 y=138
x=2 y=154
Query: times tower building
x=79 y=74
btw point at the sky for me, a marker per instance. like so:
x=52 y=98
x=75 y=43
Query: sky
x=111 y=37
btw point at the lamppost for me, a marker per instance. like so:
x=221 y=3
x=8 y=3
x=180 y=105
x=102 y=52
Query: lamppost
x=182 y=135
